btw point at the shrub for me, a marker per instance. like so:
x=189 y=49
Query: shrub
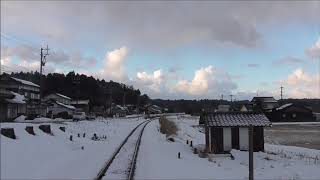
x=167 y=127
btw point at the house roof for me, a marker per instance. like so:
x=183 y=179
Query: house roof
x=288 y=105
x=231 y=119
x=65 y=105
x=17 y=99
x=284 y=106
x=63 y=96
x=25 y=82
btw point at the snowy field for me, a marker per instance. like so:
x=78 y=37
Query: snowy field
x=158 y=158
x=56 y=157
x=305 y=134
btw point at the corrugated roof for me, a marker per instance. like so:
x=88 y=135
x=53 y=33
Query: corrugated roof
x=229 y=119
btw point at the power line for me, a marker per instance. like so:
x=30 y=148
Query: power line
x=19 y=40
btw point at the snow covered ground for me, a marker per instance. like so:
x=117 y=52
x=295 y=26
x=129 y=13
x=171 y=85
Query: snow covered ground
x=56 y=157
x=157 y=158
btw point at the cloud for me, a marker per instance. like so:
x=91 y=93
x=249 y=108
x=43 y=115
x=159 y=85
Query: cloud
x=207 y=82
x=114 y=68
x=152 y=24
x=253 y=65
x=287 y=61
x=300 y=84
x=28 y=58
x=154 y=84
x=314 y=51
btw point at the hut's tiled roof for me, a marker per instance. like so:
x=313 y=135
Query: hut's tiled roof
x=232 y=119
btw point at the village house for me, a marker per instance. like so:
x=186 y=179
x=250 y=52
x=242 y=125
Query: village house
x=291 y=113
x=153 y=109
x=117 y=111
x=229 y=130
x=58 y=103
x=12 y=105
x=264 y=104
x=81 y=105
x=30 y=90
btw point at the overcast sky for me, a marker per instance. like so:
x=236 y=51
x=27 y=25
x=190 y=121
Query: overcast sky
x=171 y=49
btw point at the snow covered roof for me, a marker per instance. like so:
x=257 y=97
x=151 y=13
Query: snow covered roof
x=230 y=119
x=120 y=107
x=25 y=82
x=284 y=106
x=66 y=106
x=63 y=96
x=18 y=98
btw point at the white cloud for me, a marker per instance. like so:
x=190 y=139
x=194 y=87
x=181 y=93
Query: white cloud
x=314 y=51
x=151 y=82
x=199 y=84
x=207 y=82
x=115 y=65
x=300 y=84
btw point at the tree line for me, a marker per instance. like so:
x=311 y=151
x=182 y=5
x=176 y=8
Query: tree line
x=80 y=86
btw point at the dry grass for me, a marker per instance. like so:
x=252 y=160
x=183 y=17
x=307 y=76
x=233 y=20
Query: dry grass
x=167 y=127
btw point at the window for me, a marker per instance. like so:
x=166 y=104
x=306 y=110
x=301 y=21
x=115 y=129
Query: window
x=284 y=115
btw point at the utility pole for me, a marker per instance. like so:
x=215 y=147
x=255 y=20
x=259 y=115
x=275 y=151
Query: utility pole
x=124 y=95
x=250 y=152
x=281 y=94
x=42 y=63
x=221 y=96
x=231 y=97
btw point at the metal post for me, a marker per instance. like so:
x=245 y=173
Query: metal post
x=250 y=152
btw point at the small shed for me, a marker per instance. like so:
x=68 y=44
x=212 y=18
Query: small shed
x=229 y=130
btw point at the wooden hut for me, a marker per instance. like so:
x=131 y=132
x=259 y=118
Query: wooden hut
x=229 y=130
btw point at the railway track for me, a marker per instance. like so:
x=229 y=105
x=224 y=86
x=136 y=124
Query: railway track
x=122 y=163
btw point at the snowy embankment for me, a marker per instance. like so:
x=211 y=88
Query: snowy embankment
x=45 y=156
x=158 y=158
